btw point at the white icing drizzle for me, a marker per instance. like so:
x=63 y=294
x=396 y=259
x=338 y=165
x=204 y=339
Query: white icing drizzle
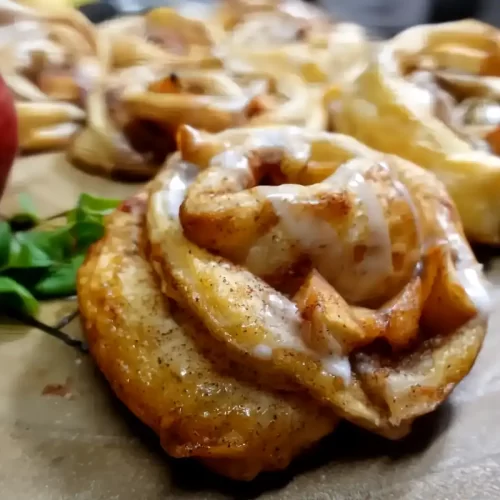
x=263 y=351
x=291 y=140
x=195 y=10
x=313 y=234
x=378 y=261
x=235 y=160
x=60 y=130
x=338 y=366
x=185 y=174
x=472 y=280
x=294 y=207
x=299 y=10
x=280 y=312
x=469 y=272
x=282 y=315
x=405 y=194
x=264 y=31
x=492 y=114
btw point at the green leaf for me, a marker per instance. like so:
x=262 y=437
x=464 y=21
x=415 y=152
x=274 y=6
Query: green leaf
x=15 y=296
x=58 y=243
x=61 y=280
x=97 y=206
x=25 y=254
x=86 y=233
x=14 y=251
x=27 y=277
x=45 y=263
x=5 y=239
x=91 y=209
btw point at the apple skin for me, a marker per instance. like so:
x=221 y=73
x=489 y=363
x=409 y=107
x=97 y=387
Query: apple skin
x=8 y=133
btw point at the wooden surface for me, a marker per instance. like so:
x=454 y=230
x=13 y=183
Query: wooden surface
x=64 y=436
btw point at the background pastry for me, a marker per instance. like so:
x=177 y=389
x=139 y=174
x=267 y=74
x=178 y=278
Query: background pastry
x=98 y=91
x=430 y=95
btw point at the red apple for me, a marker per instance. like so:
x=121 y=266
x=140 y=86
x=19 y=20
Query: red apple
x=8 y=133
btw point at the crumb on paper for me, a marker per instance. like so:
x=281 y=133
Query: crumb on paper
x=61 y=390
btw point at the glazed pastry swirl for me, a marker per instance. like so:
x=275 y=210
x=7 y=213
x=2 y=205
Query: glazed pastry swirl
x=312 y=256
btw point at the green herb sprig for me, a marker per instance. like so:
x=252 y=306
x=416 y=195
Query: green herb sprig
x=43 y=263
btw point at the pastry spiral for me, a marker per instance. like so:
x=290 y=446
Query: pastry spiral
x=319 y=269
x=432 y=95
x=43 y=60
x=348 y=247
